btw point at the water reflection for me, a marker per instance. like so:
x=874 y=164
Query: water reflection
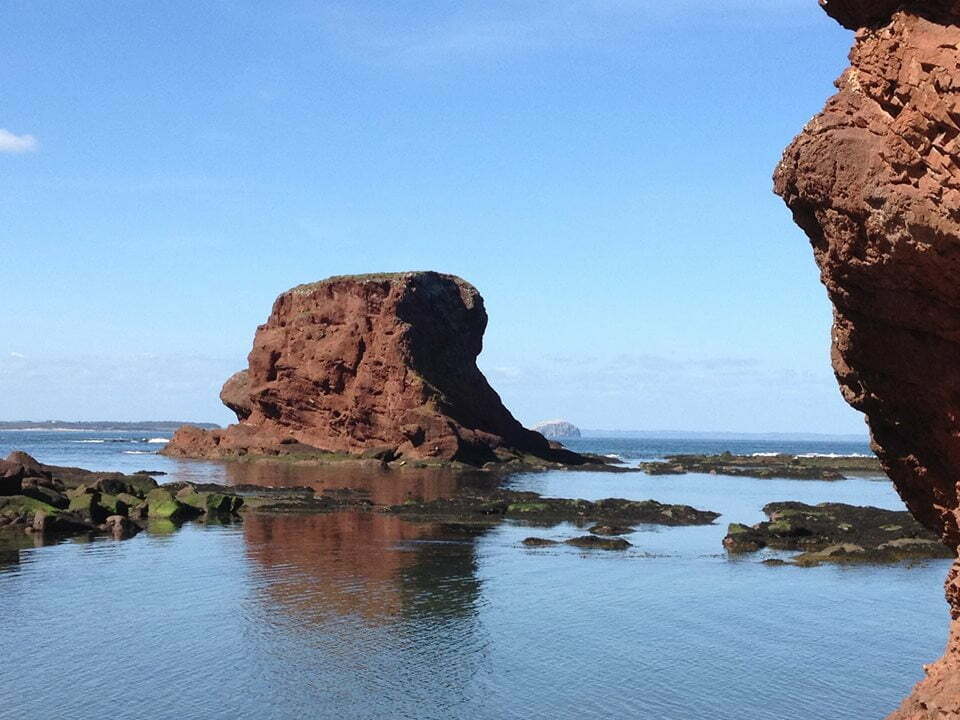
x=383 y=485
x=375 y=566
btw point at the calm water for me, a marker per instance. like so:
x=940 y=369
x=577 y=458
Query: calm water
x=366 y=616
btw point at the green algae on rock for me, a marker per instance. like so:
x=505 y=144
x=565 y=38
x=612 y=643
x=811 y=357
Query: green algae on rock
x=837 y=533
x=533 y=508
x=800 y=467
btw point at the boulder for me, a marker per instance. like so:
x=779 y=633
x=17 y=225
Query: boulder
x=162 y=505
x=120 y=527
x=11 y=478
x=87 y=506
x=47 y=522
x=47 y=495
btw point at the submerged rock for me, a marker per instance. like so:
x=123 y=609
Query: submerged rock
x=539 y=542
x=610 y=530
x=598 y=543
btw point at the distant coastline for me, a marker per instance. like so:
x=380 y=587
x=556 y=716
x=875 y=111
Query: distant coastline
x=100 y=425
x=706 y=435
x=172 y=425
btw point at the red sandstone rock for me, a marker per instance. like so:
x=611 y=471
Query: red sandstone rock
x=874 y=181
x=367 y=363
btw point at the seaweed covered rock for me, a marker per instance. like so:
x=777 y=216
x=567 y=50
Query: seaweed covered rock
x=797 y=467
x=835 y=532
x=369 y=361
x=56 y=501
x=534 y=508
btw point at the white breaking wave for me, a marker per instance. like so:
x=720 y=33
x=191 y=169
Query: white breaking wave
x=833 y=455
x=138 y=452
x=158 y=440
x=765 y=454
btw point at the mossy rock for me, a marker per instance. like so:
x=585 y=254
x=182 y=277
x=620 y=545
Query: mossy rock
x=162 y=505
x=161 y=526
x=141 y=485
x=47 y=495
x=522 y=508
x=87 y=506
x=16 y=505
x=130 y=500
x=787 y=528
x=211 y=503
x=115 y=505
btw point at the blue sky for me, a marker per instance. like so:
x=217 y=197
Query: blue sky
x=599 y=170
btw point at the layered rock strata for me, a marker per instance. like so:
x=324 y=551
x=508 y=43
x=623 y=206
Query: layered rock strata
x=874 y=181
x=377 y=364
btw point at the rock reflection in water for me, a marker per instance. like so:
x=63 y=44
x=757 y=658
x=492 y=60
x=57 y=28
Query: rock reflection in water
x=382 y=616
x=386 y=486
x=374 y=566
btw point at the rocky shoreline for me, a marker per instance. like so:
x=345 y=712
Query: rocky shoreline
x=51 y=502
x=507 y=462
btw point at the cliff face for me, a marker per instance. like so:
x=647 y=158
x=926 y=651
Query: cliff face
x=874 y=181
x=368 y=363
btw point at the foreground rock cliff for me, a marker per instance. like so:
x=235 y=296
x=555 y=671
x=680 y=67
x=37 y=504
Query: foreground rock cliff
x=377 y=364
x=874 y=181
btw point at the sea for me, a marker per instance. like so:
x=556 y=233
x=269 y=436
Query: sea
x=364 y=615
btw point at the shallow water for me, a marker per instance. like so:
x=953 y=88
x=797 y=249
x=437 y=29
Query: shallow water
x=359 y=615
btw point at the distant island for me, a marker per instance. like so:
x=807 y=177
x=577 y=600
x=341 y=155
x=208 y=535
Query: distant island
x=99 y=425
x=557 y=430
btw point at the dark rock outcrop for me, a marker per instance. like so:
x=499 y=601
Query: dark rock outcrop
x=355 y=363
x=874 y=181
x=835 y=532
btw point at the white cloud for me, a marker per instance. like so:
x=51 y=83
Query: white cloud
x=17 y=355
x=11 y=143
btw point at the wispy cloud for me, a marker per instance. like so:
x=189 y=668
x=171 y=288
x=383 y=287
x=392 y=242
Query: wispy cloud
x=11 y=143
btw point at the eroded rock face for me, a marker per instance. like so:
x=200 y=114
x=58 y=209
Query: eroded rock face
x=368 y=363
x=874 y=181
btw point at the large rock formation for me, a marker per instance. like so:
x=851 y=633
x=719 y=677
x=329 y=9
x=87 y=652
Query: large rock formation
x=382 y=364
x=874 y=181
